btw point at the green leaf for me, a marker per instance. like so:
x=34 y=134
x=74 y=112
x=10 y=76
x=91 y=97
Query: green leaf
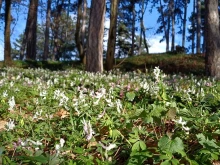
x=142 y=145
x=114 y=134
x=214 y=156
x=166 y=144
x=175 y=162
x=78 y=150
x=130 y=96
x=138 y=157
x=2 y=149
x=166 y=162
x=136 y=146
x=133 y=140
x=171 y=114
x=206 y=143
x=40 y=159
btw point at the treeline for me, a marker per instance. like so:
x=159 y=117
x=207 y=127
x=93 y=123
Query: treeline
x=69 y=29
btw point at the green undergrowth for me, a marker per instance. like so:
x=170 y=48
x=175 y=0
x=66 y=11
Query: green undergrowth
x=72 y=117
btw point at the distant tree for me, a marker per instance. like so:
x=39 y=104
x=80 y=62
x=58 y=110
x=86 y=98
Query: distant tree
x=185 y=4
x=198 y=27
x=29 y=40
x=80 y=28
x=7 y=49
x=32 y=30
x=172 y=15
x=0 y=6
x=164 y=20
x=143 y=7
x=94 y=52
x=192 y=29
x=47 y=31
x=212 y=39
x=112 y=35
x=56 y=14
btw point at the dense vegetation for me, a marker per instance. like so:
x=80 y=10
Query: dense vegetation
x=70 y=116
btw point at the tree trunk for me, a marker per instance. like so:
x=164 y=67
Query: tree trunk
x=142 y=29
x=193 y=27
x=168 y=35
x=47 y=31
x=56 y=27
x=83 y=31
x=212 y=39
x=184 y=23
x=173 y=26
x=32 y=30
x=133 y=28
x=112 y=36
x=78 y=32
x=166 y=30
x=140 y=40
x=94 y=58
x=145 y=41
x=7 y=49
x=0 y=6
x=198 y=29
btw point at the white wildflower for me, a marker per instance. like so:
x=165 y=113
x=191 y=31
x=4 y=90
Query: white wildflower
x=11 y=103
x=11 y=84
x=110 y=103
x=43 y=93
x=10 y=125
x=59 y=146
x=183 y=123
x=37 y=143
x=5 y=94
x=119 y=106
x=62 y=141
x=37 y=114
x=88 y=130
x=101 y=115
x=108 y=148
x=156 y=73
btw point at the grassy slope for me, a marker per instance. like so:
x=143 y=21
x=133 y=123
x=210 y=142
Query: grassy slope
x=168 y=63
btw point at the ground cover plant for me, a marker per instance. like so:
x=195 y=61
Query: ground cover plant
x=73 y=117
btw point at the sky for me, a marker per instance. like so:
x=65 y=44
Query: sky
x=150 y=21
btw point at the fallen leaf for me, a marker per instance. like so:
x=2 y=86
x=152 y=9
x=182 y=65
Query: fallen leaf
x=62 y=113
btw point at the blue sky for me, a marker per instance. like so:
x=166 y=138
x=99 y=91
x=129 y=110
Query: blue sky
x=150 y=20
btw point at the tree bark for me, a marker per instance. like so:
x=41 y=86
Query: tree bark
x=94 y=58
x=142 y=29
x=198 y=29
x=112 y=36
x=83 y=31
x=0 y=6
x=166 y=30
x=47 y=31
x=31 y=31
x=56 y=43
x=212 y=39
x=173 y=25
x=145 y=41
x=184 y=24
x=78 y=32
x=168 y=35
x=7 y=49
x=133 y=28
x=193 y=26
